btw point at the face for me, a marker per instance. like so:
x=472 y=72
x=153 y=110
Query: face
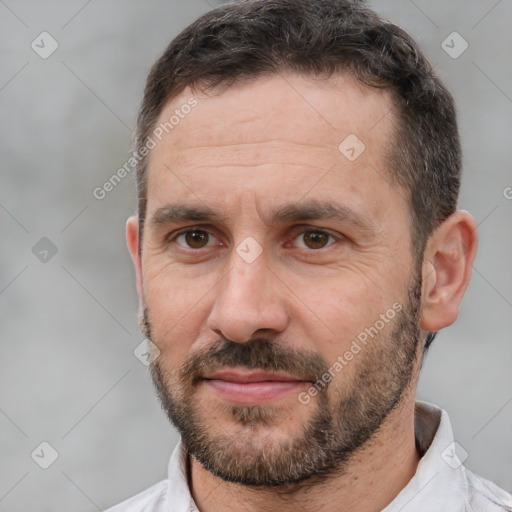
x=277 y=277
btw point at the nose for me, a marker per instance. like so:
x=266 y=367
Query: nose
x=248 y=302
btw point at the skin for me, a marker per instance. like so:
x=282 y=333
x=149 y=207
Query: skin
x=243 y=153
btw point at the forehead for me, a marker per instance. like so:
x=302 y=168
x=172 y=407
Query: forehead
x=324 y=111
x=274 y=137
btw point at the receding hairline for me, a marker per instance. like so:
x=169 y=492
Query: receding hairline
x=334 y=82
x=204 y=88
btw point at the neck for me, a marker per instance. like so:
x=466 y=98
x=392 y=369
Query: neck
x=372 y=479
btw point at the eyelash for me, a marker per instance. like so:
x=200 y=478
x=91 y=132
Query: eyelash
x=309 y=229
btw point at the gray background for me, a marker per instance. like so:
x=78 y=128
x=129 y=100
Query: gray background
x=68 y=375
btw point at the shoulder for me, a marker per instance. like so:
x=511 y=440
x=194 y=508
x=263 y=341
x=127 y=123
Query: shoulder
x=486 y=496
x=149 y=500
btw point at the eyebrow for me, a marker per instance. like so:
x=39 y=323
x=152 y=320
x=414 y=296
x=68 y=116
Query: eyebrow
x=319 y=210
x=291 y=212
x=172 y=213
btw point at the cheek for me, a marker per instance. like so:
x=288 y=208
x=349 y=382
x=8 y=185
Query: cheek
x=177 y=309
x=334 y=315
x=172 y=290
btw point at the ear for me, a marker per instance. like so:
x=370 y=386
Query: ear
x=132 y=240
x=447 y=267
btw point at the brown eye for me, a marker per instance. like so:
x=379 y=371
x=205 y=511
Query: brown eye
x=195 y=239
x=315 y=239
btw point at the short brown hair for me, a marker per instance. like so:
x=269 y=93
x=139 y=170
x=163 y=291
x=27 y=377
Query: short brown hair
x=318 y=38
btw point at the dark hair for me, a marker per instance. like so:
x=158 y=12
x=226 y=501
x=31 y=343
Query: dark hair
x=318 y=38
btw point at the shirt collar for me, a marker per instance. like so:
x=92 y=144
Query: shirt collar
x=179 y=498
x=440 y=482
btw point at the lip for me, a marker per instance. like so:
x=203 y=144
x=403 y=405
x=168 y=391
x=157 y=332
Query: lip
x=251 y=387
x=251 y=376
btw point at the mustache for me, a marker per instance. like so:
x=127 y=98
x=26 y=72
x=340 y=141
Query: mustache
x=256 y=354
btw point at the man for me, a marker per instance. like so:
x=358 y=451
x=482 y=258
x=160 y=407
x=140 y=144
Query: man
x=297 y=246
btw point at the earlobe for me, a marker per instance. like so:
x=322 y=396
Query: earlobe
x=132 y=241
x=447 y=267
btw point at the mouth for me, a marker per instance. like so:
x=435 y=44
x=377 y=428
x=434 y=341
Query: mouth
x=252 y=387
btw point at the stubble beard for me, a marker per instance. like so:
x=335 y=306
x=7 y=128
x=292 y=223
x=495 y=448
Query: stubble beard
x=338 y=427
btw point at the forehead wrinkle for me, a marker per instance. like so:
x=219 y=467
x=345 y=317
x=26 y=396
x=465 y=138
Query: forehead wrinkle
x=276 y=151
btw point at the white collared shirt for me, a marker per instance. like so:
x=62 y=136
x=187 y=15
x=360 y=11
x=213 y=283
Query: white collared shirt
x=441 y=482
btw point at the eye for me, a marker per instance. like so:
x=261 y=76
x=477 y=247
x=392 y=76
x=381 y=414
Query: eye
x=314 y=239
x=193 y=239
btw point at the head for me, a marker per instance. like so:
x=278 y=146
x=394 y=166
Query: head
x=298 y=217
